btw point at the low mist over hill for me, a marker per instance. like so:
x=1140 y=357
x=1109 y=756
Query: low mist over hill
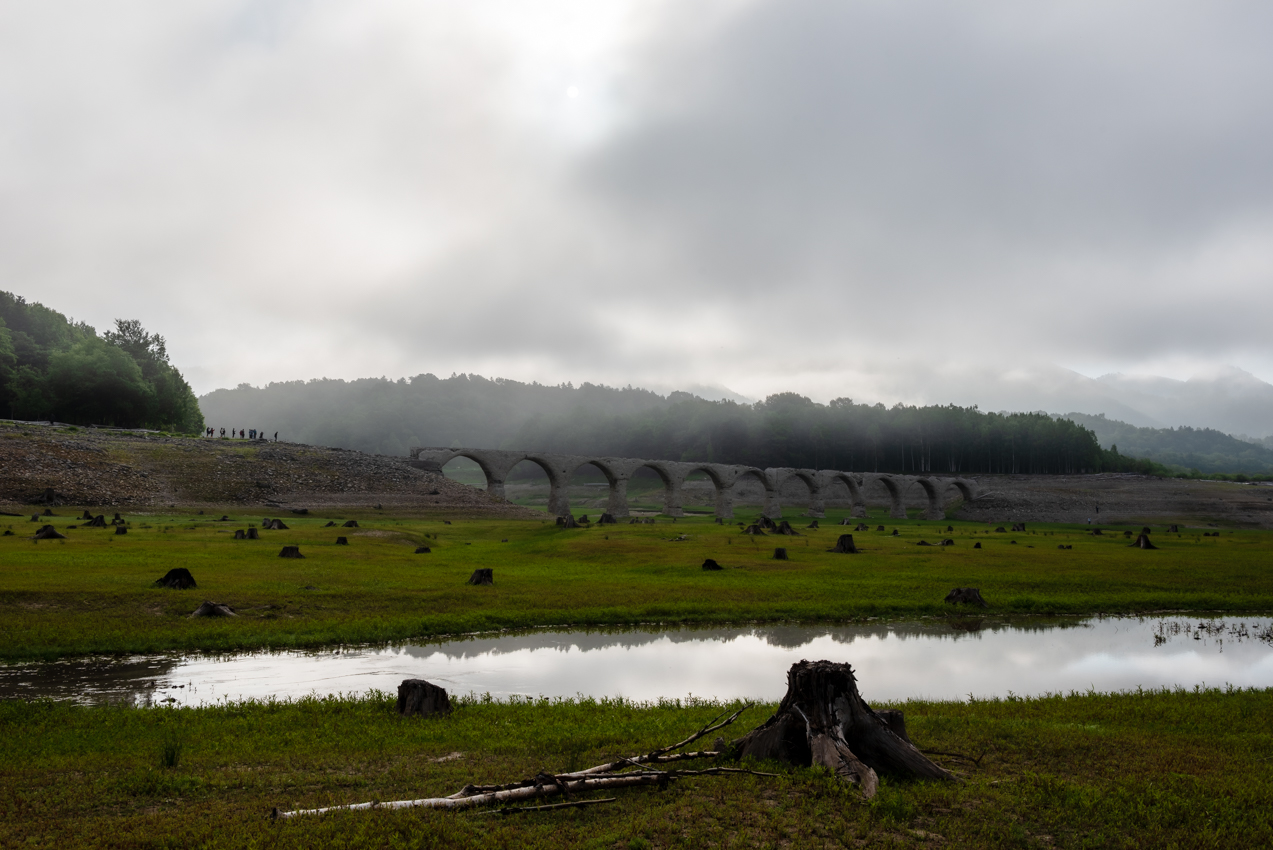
x=786 y=429
x=1203 y=449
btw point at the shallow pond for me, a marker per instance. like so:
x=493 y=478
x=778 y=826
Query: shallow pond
x=933 y=659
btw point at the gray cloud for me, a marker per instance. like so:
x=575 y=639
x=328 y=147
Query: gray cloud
x=924 y=201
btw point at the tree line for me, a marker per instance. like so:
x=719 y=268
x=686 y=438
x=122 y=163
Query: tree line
x=52 y=368
x=389 y=417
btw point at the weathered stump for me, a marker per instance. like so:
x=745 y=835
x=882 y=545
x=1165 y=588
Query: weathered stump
x=86 y=515
x=213 y=609
x=607 y=519
x=48 y=532
x=350 y=523
x=342 y=541
x=422 y=550
x=923 y=543
x=813 y=524
x=117 y=520
x=239 y=535
x=784 y=527
x=1173 y=528
x=278 y=525
x=895 y=533
x=98 y=521
x=1001 y=530
x=583 y=519
x=119 y=529
x=844 y=545
x=178 y=578
x=966 y=596
x=1142 y=542
x=861 y=526
x=879 y=528
x=947 y=542
x=291 y=552
x=780 y=554
x=754 y=529
x=1018 y=526
x=767 y=524
x=847 y=521
x=823 y=720
x=416 y=696
x=567 y=521
x=977 y=545
x=331 y=523
x=710 y=564
x=485 y=575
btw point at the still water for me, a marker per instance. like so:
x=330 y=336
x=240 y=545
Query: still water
x=934 y=659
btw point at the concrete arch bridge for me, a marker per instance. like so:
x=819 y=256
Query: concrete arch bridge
x=496 y=466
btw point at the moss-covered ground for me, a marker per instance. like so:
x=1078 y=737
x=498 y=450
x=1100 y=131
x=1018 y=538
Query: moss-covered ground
x=92 y=593
x=1165 y=769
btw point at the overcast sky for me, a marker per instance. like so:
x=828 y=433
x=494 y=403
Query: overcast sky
x=884 y=200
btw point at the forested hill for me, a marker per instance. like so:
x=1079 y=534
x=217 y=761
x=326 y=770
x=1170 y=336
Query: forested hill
x=389 y=417
x=52 y=368
x=1203 y=449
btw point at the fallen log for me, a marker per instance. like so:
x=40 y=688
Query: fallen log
x=547 y=784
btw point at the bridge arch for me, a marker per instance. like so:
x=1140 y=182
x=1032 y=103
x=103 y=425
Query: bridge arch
x=855 y=491
x=893 y=487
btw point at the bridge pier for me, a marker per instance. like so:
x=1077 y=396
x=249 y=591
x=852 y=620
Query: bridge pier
x=672 y=499
x=617 y=504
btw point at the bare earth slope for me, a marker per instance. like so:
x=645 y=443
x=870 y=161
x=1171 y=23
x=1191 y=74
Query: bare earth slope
x=1109 y=498
x=107 y=468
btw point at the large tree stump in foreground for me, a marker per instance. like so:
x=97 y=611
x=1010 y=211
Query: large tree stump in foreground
x=178 y=578
x=844 y=545
x=1142 y=542
x=824 y=720
x=966 y=596
x=483 y=576
x=416 y=696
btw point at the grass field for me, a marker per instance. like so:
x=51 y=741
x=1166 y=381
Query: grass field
x=1167 y=769
x=92 y=592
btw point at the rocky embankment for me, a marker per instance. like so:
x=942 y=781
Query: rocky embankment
x=41 y=465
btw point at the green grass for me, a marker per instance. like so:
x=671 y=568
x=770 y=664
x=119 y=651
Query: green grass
x=92 y=594
x=1162 y=769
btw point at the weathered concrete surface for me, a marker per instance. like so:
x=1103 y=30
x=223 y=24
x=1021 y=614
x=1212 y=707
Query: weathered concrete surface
x=497 y=464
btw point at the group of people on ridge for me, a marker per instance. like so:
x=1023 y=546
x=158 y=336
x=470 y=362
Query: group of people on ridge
x=250 y=434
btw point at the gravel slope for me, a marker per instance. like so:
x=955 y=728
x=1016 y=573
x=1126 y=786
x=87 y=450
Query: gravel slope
x=111 y=468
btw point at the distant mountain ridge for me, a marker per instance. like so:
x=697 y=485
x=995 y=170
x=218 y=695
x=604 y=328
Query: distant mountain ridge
x=1203 y=449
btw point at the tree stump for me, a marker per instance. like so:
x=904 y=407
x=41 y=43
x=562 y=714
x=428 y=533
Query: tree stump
x=342 y=541
x=720 y=521
x=331 y=523
x=823 y=720
x=48 y=532
x=239 y=535
x=844 y=545
x=780 y=554
x=767 y=524
x=1173 y=528
x=923 y=543
x=1142 y=542
x=1018 y=526
x=784 y=527
x=711 y=564
x=483 y=576
x=583 y=518
x=253 y=534
x=117 y=520
x=119 y=529
x=947 y=542
x=350 y=523
x=977 y=545
x=1000 y=530
x=607 y=519
x=895 y=533
x=86 y=515
x=861 y=526
x=278 y=525
x=416 y=696
x=178 y=578
x=213 y=609
x=291 y=552
x=879 y=528
x=422 y=550
x=813 y=524
x=754 y=529
x=966 y=596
